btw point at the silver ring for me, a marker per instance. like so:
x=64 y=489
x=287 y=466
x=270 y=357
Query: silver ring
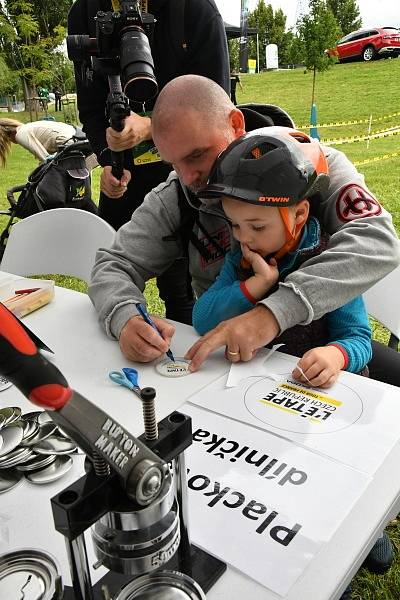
x=233 y=353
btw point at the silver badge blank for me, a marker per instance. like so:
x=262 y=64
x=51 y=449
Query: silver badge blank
x=15 y=457
x=31 y=428
x=43 y=432
x=37 y=461
x=11 y=414
x=55 y=444
x=57 y=469
x=44 y=417
x=31 y=416
x=12 y=436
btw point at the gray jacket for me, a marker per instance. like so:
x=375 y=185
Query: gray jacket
x=363 y=248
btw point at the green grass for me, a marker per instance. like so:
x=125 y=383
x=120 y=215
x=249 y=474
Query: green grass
x=346 y=92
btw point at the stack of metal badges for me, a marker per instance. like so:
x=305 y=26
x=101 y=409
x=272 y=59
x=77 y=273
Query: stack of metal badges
x=32 y=448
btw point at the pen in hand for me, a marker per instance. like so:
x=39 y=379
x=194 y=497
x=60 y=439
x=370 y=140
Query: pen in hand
x=143 y=313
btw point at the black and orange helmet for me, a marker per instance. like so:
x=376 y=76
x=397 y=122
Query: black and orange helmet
x=272 y=166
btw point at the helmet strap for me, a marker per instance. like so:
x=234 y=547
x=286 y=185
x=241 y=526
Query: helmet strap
x=292 y=233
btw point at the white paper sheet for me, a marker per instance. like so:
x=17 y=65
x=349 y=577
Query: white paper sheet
x=253 y=368
x=246 y=485
x=355 y=421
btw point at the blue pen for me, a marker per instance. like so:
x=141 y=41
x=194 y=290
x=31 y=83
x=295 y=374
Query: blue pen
x=143 y=312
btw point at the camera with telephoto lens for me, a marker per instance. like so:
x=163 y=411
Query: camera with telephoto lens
x=121 y=46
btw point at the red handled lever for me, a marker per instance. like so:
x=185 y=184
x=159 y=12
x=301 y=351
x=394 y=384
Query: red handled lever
x=39 y=380
x=141 y=472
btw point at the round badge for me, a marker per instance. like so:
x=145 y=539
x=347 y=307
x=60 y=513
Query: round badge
x=12 y=436
x=297 y=408
x=54 y=471
x=4 y=383
x=10 y=414
x=177 y=368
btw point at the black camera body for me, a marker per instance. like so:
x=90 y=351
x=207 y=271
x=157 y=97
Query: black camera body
x=121 y=47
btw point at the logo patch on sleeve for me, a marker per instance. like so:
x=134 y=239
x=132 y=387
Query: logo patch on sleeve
x=354 y=202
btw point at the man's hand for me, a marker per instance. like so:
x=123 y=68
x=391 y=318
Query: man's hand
x=140 y=343
x=266 y=274
x=110 y=186
x=242 y=336
x=321 y=366
x=136 y=129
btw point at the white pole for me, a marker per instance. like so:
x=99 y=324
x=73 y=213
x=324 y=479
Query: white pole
x=258 y=55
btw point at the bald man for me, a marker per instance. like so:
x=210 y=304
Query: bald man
x=193 y=121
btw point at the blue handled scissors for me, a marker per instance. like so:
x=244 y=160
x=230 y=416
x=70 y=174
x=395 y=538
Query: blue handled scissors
x=127 y=378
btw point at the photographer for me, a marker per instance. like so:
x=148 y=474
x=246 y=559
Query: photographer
x=188 y=37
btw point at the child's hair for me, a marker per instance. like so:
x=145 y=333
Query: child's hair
x=7 y=131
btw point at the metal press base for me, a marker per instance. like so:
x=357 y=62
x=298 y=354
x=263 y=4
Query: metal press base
x=206 y=570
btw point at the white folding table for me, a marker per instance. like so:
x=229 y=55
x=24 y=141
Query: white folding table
x=69 y=326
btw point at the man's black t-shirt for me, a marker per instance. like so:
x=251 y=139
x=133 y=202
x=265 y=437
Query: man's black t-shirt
x=206 y=55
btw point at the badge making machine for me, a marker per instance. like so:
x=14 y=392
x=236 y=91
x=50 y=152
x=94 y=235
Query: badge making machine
x=133 y=495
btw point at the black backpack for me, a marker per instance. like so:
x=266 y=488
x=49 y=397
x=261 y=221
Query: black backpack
x=62 y=182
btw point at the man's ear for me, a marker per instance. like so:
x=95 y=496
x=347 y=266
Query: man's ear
x=236 y=121
x=302 y=211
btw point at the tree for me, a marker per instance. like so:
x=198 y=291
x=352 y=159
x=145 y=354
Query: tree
x=50 y=14
x=347 y=14
x=30 y=30
x=295 y=52
x=10 y=84
x=317 y=31
x=63 y=75
x=271 y=27
x=262 y=18
x=234 y=49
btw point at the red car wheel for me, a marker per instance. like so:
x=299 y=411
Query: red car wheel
x=368 y=53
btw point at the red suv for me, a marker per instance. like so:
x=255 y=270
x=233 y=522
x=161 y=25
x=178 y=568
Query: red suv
x=368 y=44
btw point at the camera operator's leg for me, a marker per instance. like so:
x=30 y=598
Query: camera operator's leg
x=385 y=364
x=175 y=289
x=116 y=211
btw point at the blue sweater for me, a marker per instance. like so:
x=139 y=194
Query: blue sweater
x=348 y=326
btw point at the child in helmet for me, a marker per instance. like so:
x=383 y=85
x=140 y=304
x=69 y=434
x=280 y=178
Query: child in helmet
x=268 y=182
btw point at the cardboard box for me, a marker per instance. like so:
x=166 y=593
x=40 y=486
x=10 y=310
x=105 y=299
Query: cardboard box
x=23 y=303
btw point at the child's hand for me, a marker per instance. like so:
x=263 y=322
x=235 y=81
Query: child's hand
x=321 y=366
x=265 y=274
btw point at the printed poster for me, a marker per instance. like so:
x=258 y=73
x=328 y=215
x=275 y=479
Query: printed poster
x=261 y=503
x=355 y=421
